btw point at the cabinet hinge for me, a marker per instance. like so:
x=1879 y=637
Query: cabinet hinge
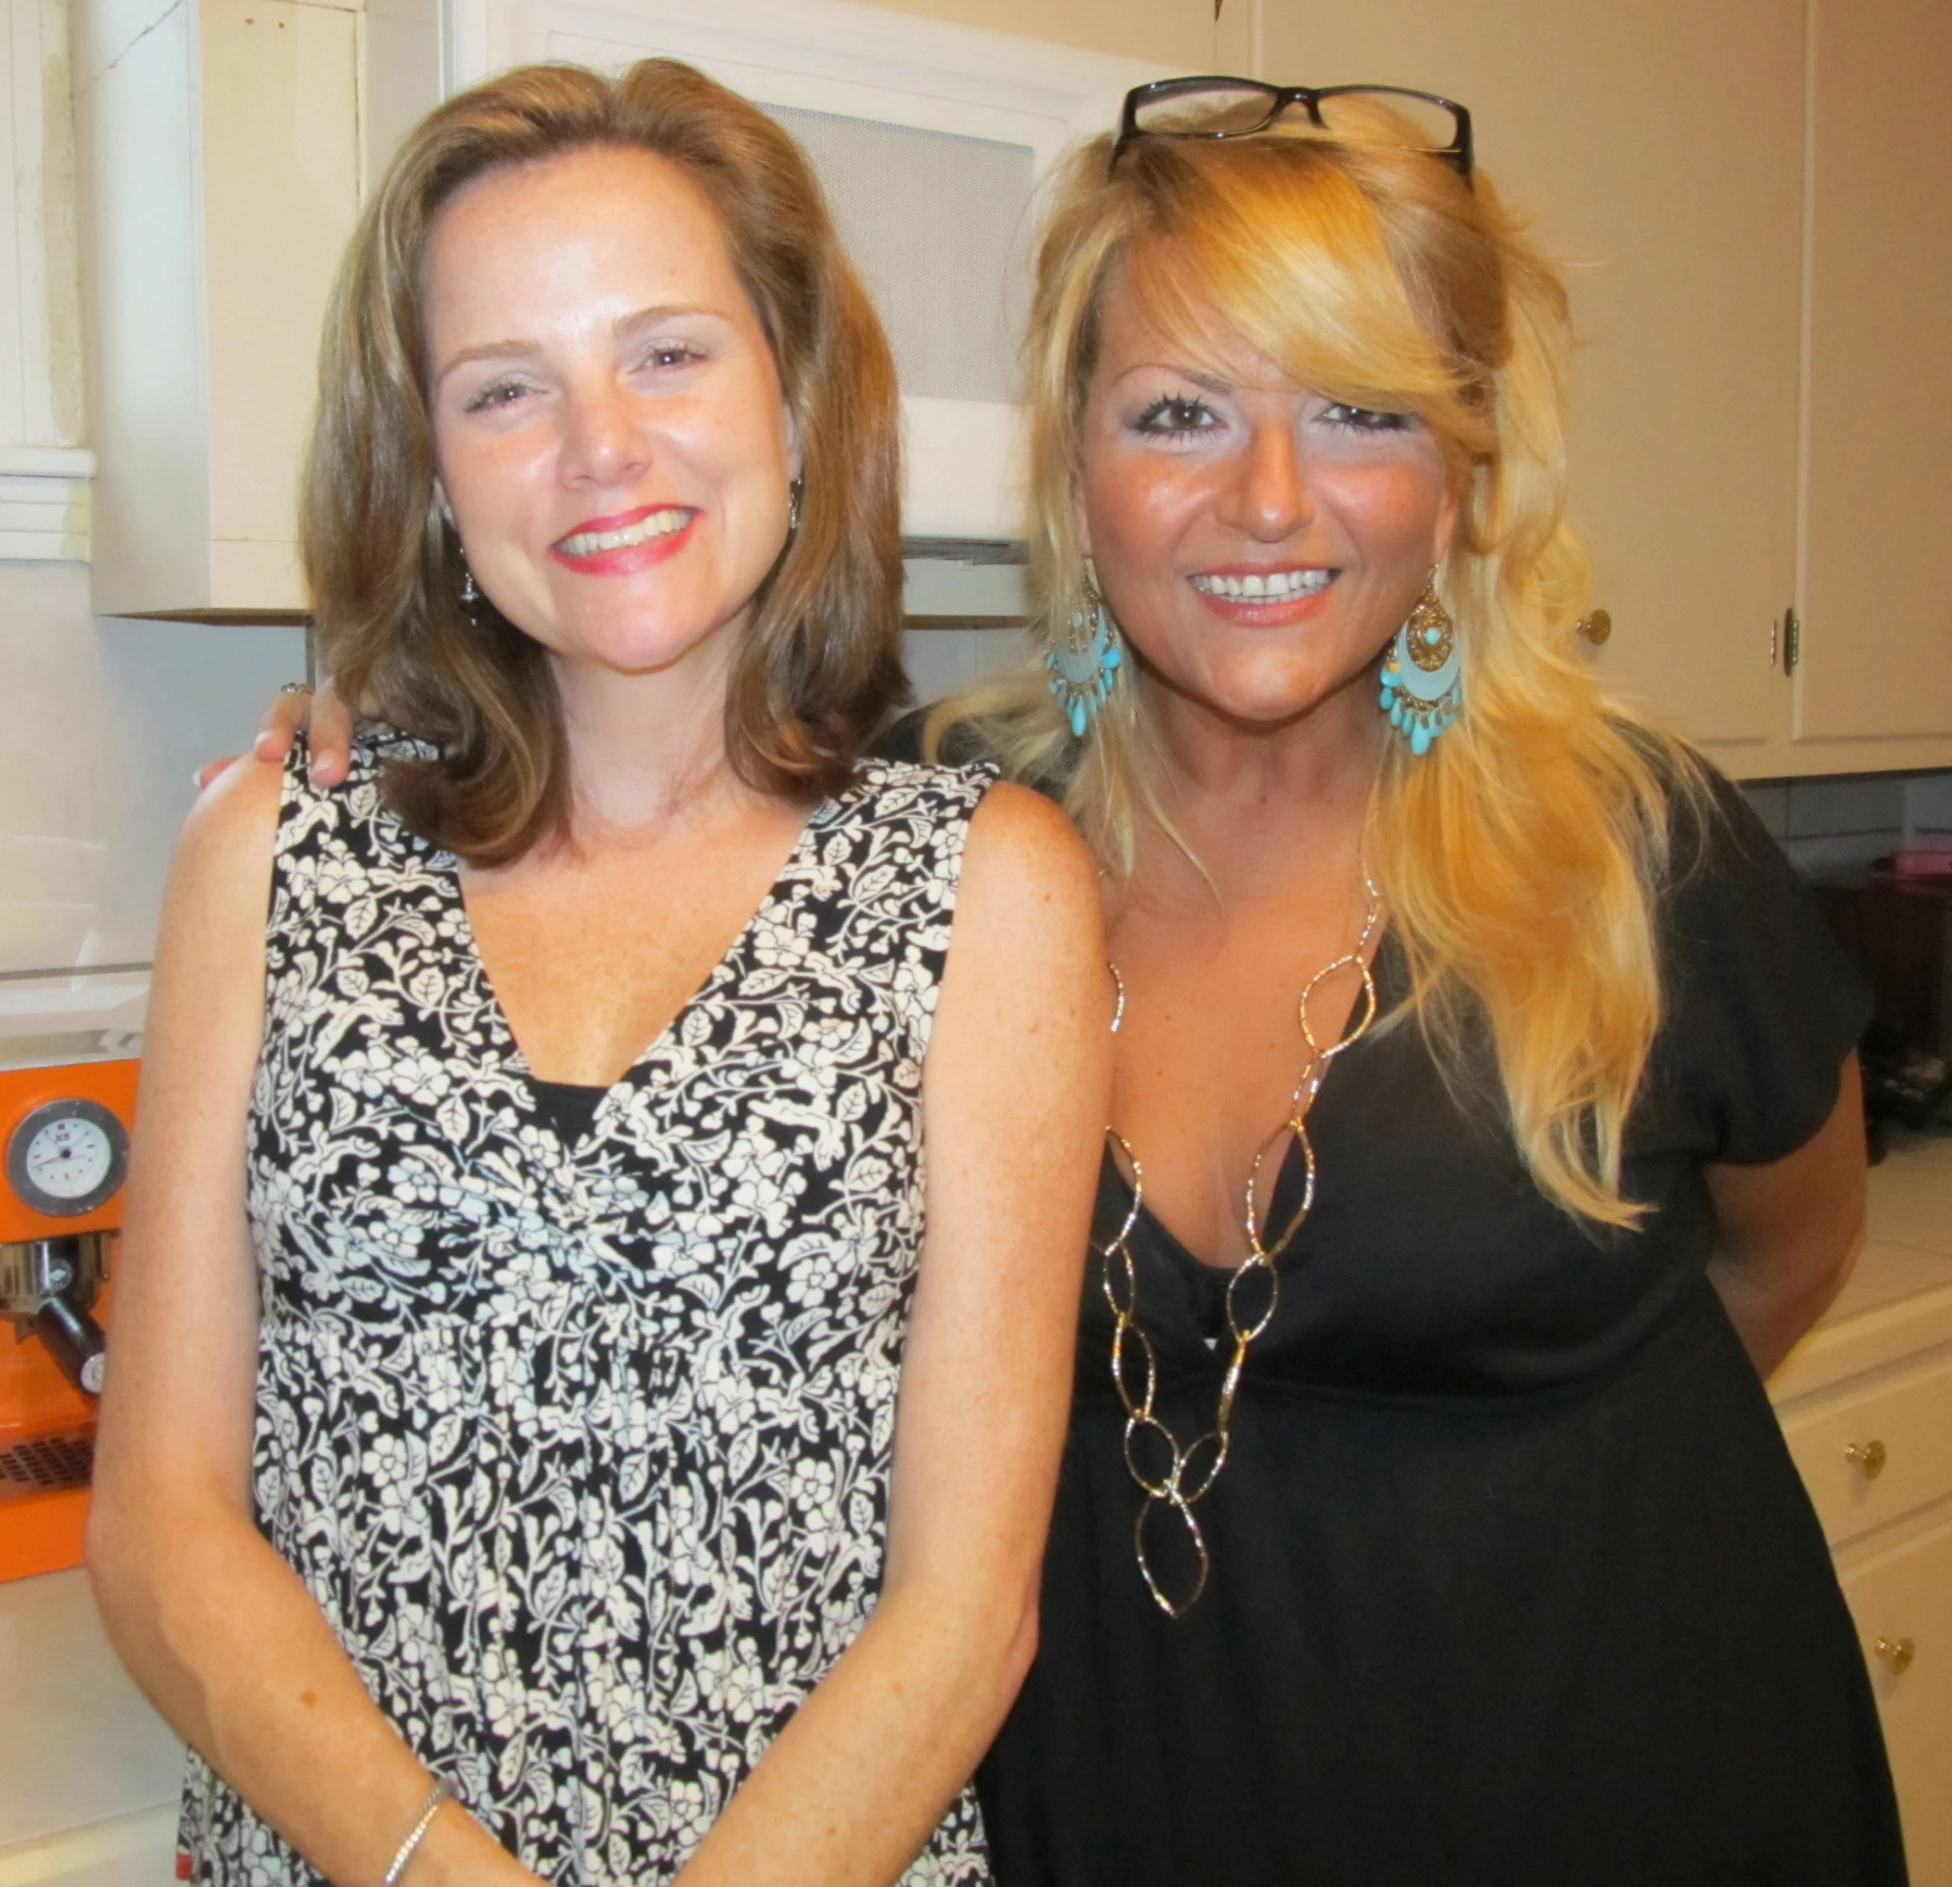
x=1792 y=641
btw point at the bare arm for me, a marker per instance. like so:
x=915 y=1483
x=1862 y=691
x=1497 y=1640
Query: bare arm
x=216 y=1628
x=1791 y=1230
x=1014 y=1099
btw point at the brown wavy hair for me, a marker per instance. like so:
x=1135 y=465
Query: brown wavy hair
x=819 y=667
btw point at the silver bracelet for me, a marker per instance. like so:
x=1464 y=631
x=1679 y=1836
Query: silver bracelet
x=424 y=1821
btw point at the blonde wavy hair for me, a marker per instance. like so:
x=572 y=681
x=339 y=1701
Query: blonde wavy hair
x=1521 y=860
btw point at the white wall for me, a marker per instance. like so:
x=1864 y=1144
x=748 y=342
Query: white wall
x=101 y=725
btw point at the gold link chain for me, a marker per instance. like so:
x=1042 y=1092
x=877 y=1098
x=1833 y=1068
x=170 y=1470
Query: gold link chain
x=1167 y=1475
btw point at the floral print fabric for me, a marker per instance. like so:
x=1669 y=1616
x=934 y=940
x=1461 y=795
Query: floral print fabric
x=584 y=1449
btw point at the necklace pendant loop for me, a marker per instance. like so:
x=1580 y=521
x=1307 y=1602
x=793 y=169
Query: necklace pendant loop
x=1171 y=1503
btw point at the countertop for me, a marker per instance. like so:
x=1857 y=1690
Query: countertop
x=1899 y=1298
x=89 y=1773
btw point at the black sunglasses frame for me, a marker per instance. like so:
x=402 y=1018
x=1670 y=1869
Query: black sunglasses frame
x=1458 y=153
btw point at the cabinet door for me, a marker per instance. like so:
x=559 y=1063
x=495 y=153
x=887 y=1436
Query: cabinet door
x=1877 y=631
x=281 y=194
x=1902 y=1600
x=1659 y=148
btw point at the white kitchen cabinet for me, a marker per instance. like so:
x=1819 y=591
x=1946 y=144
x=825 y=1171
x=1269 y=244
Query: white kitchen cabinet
x=45 y=470
x=219 y=148
x=1901 y=1596
x=1876 y=1454
x=1877 y=1449
x=1866 y=1407
x=1876 y=582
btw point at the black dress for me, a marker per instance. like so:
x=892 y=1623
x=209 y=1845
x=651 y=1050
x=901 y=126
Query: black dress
x=1514 y=1582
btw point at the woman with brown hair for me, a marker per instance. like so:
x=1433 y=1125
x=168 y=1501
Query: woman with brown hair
x=503 y=1475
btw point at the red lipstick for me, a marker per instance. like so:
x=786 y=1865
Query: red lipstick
x=617 y=560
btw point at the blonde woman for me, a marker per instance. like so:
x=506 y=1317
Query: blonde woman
x=503 y=1476
x=1485 y=1123
x=1485 y=1118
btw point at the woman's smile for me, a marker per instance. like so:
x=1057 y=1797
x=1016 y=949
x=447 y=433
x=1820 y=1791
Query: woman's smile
x=627 y=543
x=1264 y=597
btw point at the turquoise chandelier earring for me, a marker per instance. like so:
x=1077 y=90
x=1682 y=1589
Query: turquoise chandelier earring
x=1423 y=673
x=1084 y=665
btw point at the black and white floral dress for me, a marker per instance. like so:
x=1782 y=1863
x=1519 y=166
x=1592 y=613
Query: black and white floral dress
x=584 y=1448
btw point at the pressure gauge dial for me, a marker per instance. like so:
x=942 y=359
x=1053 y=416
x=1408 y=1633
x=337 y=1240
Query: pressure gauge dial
x=67 y=1158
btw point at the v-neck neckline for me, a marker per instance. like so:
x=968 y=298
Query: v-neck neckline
x=1170 y=1242
x=714 y=979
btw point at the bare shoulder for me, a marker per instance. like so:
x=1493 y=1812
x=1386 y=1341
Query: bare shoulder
x=206 y=1000
x=221 y=875
x=234 y=821
x=1021 y=1051
x=1022 y=847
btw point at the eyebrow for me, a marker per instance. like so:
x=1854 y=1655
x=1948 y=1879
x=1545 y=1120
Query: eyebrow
x=623 y=327
x=649 y=317
x=488 y=350
x=1210 y=382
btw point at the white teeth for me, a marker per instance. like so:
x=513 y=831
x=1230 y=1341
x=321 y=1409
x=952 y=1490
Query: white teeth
x=658 y=524
x=1272 y=586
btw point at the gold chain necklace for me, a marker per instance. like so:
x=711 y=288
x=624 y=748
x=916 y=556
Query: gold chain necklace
x=1168 y=1476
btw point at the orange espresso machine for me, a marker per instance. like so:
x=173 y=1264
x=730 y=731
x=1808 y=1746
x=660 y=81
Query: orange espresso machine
x=64 y=1140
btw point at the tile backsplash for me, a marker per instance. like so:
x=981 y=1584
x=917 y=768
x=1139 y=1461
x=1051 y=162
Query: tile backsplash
x=1931 y=807
x=1830 y=827
x=101 y=724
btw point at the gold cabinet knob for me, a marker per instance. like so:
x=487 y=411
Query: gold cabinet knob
x=1897 y=1653
x=1868 y=1455
x=1596 y=626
